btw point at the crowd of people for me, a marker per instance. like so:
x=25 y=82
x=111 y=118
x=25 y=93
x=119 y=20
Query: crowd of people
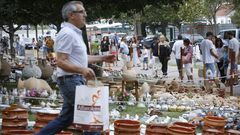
x=214 y=51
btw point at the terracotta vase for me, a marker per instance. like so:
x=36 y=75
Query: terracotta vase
x=126 y=127
x=5 y=68
x=213 y=122
x=46 y=69
x=14 y=118
x=31 y=70
x=42 y=120
x=129 y=74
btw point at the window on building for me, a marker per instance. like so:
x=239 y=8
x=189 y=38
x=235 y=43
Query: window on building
x=222 y=21
x=229 y=21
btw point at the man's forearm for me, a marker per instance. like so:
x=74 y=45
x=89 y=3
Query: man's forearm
x=94 y=59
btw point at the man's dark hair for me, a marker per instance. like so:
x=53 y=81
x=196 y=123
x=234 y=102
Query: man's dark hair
x=209 y=34
x=179 y=37
x=231 y=33
x=186 y=40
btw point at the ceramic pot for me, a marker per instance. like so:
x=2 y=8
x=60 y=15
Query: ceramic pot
x=46 y=69
x=156 y=129
x=5 y=68
x=126 y=127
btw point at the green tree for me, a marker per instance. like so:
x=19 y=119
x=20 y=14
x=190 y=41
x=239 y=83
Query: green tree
x=236 y=17
x=11 y=14
x=191 y=10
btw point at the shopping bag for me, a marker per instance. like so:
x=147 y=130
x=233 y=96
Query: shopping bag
x=91 y=111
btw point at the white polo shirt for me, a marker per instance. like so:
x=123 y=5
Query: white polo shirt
x=234 y=45
x=69 y=40
x=177 y=48
x=205 y=46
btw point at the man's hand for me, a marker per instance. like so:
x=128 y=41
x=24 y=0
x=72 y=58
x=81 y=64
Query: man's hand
x=109 y=58
x=88 y=74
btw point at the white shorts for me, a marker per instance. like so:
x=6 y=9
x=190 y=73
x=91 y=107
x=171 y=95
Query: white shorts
x=188 y=69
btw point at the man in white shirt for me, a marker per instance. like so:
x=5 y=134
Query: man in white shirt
x=72 y=65
x=177 y=52
x=234 y=46
x=208 y=53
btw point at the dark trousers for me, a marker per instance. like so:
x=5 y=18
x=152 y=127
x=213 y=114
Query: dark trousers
x=164 y=62
x=221 y=70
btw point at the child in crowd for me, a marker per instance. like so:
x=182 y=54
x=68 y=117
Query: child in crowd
x=145 y=58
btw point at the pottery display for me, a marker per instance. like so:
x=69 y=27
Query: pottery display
x=46 y=69
x=31 y=70
x=129 y=73
x=126 y=127
x=14 y=118
x=156 y=129
x=34 y=83
x=5 y=68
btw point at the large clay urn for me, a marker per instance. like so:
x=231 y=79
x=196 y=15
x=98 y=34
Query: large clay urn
x=31 y=70
x=129 y=73
x=5 y=68
x=46 y=69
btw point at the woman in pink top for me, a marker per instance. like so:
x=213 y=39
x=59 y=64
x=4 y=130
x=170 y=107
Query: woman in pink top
x=187 y=59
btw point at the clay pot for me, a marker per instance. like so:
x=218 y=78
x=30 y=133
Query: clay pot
x=19 y=132
x=126 y=127
x=156 y=129
x=185 y=124
x=14 y=118
x=18 y=113
x=232 y=132
x=42 y=120
x=46 y=117
x=31 y=70
x=213 y=122
x=178 y=130
x=129 y=64
x=46 y=69
x=5 y=68
x=129 y=75
x=14 y=122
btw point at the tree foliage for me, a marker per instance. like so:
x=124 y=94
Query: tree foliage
x=236 y=17
x=191 y=10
